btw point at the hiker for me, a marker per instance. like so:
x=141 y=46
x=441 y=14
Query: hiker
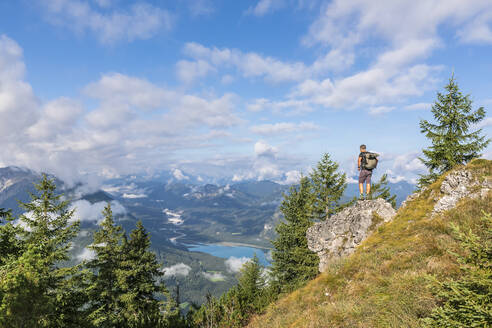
x=366 y=163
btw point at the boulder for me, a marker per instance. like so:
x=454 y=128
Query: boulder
x=458 y=185
x=340 y=234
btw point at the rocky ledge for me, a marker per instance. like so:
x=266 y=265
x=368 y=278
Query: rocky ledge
x=458 y=185
x=343 y=232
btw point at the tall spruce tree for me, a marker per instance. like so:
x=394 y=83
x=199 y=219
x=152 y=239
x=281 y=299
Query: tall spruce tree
x=10 y=244
x=34 y=282
x=138 y=277
x=104 y=291
x=381 y=190
x=293 y=263
x=328 y=187
x=251 y=284
x=452 y=141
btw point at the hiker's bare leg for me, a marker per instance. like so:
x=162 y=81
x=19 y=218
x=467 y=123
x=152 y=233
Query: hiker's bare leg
x=361 y=188
x=368 y=188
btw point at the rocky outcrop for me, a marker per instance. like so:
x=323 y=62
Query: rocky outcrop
x=340 y=234
x=458 y=185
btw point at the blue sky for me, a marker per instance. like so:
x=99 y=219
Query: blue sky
x=256 y=89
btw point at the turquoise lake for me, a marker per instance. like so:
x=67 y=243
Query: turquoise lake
x=228 y=251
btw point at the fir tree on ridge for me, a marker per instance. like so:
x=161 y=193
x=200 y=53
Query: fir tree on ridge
x=104 y=291
x=293 y=263
x=452 y=142
x=328 y=186
x=35 y=289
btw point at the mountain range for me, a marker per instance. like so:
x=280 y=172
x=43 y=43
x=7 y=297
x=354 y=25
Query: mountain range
x=177 y=213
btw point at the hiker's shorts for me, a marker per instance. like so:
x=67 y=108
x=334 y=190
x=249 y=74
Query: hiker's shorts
x=365 y=176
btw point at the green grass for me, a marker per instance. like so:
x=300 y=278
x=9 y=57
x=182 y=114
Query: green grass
x=384 y=283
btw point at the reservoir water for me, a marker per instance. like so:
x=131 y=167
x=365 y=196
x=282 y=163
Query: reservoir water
x=229 y=251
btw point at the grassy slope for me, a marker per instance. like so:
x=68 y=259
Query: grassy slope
x=383 y=284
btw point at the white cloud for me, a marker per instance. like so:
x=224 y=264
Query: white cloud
x=215 y=276
x=140 y=21
x=86 y=211
x=189 y=71
x=486 y=122
x=374 y=87
x=86 y=255
x=131 y=124
x=122 y=90
x=291 y=177
x=395 y=74
x=178 y=174
x=264 y=7
x=134 y=196
x=57 y=119
x=381 y=110
x=234 y=264
x=250 y=65
x=18 y=104
x=283 y=127
x=265 y=150
x=418 y=106
x=179 y=269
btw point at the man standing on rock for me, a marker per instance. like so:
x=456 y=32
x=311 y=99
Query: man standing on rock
x=365 y=172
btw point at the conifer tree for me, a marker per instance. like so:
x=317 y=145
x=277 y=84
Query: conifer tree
x=138 y=277
x=10 y=245
x=34 y=283
x=467 y=301
x=328 y=187
x=293 y=263
x=452 y=141
x=381 y=190
x=251 y=284
x=104 y=290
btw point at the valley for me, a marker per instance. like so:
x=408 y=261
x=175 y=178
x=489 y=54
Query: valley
x=201 y=233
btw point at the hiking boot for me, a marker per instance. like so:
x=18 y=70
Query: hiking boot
x=361 y=197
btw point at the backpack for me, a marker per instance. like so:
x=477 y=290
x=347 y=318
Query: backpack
x=369 y=160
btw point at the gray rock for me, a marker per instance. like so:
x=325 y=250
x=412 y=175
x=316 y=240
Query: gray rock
x=455 y=186
x=458 y=185
x=340 y=234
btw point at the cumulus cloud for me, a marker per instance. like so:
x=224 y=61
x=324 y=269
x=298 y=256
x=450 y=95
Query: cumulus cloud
x=18 y=104
x=140 y=21
x=283 y=127
x=249 y=65
x=291 y=177
x=179 y=269
x=189 y=71
x=132 y=124
x=262 y=149
x=381 y=110
x=86 y=255
x=215 y=276
x=396 y=73
x=418 y=106
x=85 y=211
x=178 y=174
x=134 y=196
x=234 y=264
